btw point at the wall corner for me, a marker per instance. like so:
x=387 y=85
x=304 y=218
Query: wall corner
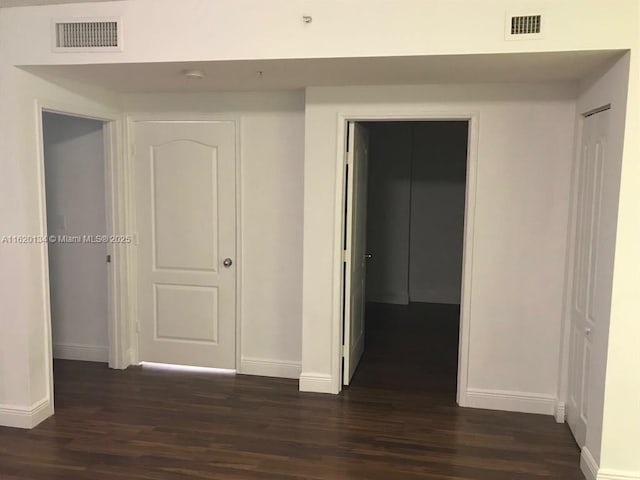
x=317 y=383
x=27 y=417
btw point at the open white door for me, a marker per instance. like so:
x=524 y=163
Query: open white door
x=186 y=216
x=586 y=297
x=355 y=244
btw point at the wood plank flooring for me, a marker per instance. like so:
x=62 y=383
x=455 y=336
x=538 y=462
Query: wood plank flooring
x=398 y=421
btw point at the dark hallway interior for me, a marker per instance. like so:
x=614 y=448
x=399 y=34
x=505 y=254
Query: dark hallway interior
x=411 y=348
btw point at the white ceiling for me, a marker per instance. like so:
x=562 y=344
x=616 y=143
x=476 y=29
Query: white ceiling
x=293 y=74
x=28 y=3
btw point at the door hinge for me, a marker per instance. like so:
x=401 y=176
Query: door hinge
x=348 y=131
x=342 y=350
x=108 y=258
x=345 y=254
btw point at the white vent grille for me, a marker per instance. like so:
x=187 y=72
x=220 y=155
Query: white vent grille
x=91 y=35
x=526 y=24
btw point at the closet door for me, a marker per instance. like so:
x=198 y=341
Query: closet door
x=586 y=293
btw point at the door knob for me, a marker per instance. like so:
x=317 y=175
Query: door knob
x=587 y=331
x=227 y=262
x=368 y=255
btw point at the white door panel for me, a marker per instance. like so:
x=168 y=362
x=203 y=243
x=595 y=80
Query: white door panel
x=584 y=298
x=355 y=255
x=183 y=241
x=186 y=216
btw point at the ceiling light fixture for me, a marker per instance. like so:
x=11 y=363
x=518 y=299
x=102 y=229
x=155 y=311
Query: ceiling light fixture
x=193 y=74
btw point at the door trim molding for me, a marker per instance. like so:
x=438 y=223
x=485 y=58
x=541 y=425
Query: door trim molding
x=131 y=118
x=565 y=324
x=560 y=411
x=308 y=381
x=116 y=221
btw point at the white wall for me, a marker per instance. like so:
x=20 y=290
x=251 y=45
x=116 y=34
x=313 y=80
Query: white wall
x=75 y=181
x=621 y=426
x=24 y=300
x=521 y=219
x=388 y=217
x=416 y=211
x=222 y=29
x=271 y=156
x=438 y=184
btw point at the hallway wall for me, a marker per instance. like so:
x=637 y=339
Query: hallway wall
x=415 y=222
x=389 y=212
x=75 y=189
x=438 y=181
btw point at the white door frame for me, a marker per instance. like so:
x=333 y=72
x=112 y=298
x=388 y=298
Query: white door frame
x=130 y=120
x=560 y=413
x=469 y=228
x=118 y=315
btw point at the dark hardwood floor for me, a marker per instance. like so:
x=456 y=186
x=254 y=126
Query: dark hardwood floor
x=397 y=421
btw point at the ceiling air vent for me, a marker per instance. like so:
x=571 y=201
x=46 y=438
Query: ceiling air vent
x=523 y=27
x=86 y=35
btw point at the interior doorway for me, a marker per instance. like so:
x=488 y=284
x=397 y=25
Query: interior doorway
x=83 y=221
x=404 y=231
x=75 y=178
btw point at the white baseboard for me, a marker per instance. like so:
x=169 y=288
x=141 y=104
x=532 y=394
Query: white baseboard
x=604 y=474
x=592 y=471
x=560 y=412
x=316 y=382
x=392 y=298
x=25 y=417
x=588 y=465
x=436 y=298
x=269 y=368
x=87 y=353
x=510 y=401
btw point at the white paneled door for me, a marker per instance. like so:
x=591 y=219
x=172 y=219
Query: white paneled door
x=355 y=244
x=186 y=217
x=585 y=296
